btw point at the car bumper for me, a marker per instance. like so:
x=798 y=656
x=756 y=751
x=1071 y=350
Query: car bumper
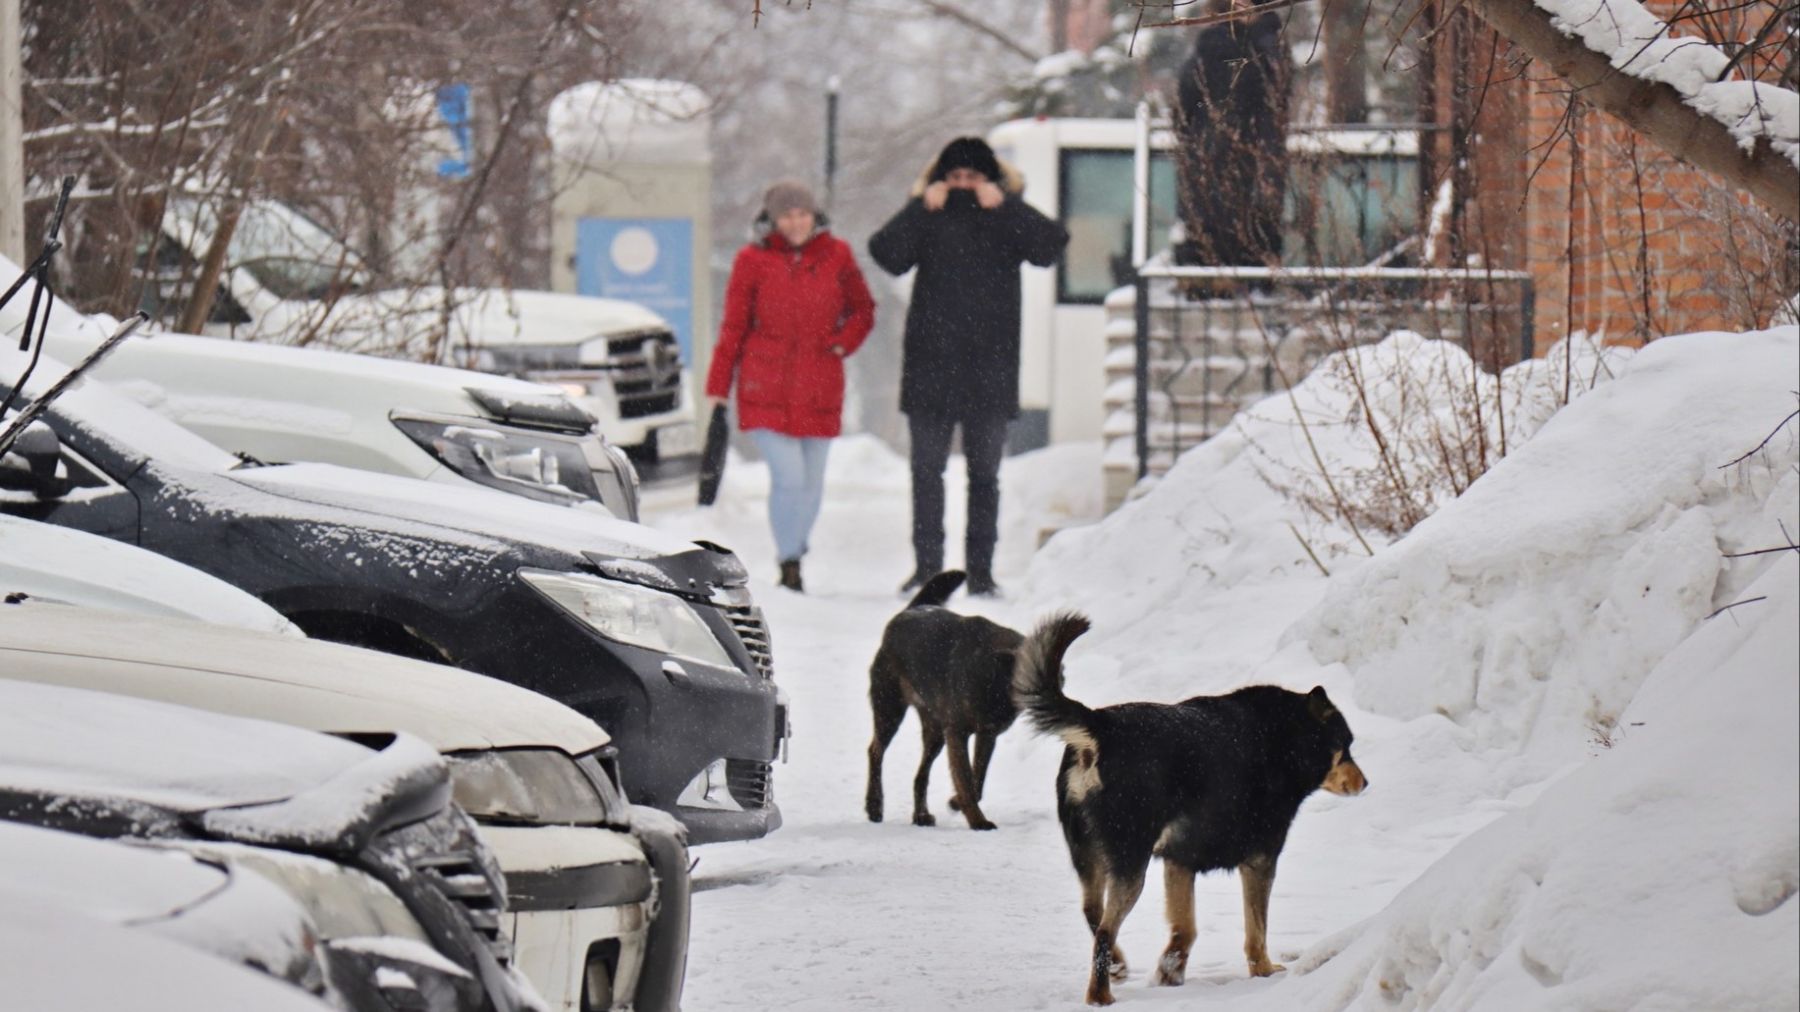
x=669 y=719
x=696 y=715
x=576 y=896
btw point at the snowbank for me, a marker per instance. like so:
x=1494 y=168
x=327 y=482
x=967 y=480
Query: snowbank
x=1531 y=608
x=1659 y=876
x=1189 y=569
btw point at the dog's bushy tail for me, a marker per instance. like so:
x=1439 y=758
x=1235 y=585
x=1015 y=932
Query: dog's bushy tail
x=938 y=589
x=1038 y=681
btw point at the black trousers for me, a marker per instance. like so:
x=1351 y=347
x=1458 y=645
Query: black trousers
x=983 y=443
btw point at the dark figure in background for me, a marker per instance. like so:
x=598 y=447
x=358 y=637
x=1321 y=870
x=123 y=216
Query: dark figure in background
x=1232 y=122
x=967 y=229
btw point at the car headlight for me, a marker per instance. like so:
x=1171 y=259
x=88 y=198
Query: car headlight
x=634 y=615
x=527 y=785
x=504 y=458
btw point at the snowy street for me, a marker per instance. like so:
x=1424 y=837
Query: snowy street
x=832 y=912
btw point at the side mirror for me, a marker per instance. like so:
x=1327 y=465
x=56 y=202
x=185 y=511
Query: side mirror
x=34 y=462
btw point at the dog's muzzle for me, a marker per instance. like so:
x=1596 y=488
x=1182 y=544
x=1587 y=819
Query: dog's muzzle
x=1346 y=778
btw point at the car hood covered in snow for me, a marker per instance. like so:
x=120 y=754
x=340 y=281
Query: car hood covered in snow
x=77 y=744
x=306 y=683
x=468 y=511
x=46 y=561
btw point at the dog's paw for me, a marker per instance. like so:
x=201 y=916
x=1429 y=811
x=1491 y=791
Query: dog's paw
x=1119 y=970
x=1171 y=970
x=956 y=802
x=924 y=819
x=981 y=824
x=1099 y=995
x=874 y=814
x=1265 y=969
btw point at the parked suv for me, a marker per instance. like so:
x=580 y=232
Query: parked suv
x=654 y=638
x=289 y=281
x=283 y=405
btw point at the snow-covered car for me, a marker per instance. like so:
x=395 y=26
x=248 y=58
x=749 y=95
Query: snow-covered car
x=287 y=280
x=285 y=404
x=58 y=957
x=597 y=899
x=228 y=911
x=403 y=894
x=54 y=563
x=634 y=628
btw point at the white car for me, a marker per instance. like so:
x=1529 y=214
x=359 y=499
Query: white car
x=227 y=911
x=70 y=960
x=289 y=281
x=390 y=873
x=595 y=921
x=283 y=404
x=54 y=563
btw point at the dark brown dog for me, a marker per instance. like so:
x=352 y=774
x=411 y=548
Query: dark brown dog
x=956 y=671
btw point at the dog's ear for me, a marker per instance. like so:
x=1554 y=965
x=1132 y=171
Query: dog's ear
x=1319 y=705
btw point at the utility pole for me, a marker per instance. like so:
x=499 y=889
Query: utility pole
x=831 y=120
x=12 y=128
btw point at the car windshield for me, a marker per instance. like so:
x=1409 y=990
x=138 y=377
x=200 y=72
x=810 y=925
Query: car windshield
x=287 y=252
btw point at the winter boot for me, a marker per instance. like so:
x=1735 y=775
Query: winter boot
x=790 y=575
x=925 y=570
x=981 y=584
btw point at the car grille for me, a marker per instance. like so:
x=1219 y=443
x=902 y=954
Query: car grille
x=750 y=781
x=646 y=372
x=459 y=876
x=747 y=621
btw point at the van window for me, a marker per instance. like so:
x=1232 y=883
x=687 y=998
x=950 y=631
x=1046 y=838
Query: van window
x=1096 y=203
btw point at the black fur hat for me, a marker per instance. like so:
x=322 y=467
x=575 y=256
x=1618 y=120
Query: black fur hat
x=967 y=153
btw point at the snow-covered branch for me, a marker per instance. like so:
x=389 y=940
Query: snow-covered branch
x=1629 y=63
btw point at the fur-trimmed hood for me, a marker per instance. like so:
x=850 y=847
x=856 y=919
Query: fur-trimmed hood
x=1011 y=179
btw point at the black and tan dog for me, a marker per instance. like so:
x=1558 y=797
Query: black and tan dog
x=1210 y=783
x=957 y=672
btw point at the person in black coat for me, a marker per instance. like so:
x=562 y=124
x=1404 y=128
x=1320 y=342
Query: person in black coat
x=1232 y=122
x=967 y=229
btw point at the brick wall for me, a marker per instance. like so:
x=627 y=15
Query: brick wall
x=1620 y=238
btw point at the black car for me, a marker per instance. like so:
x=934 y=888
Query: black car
x=655 y=638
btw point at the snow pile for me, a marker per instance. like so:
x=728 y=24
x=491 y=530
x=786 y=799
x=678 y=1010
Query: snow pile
x=1531 y=608
x=1640 y=44
x=1223 y=539
x=1661 y=875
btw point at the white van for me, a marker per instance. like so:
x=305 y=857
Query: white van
x=1358 y=187
x=286 y=280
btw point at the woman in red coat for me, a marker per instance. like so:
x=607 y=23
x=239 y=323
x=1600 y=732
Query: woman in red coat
x=795 y=308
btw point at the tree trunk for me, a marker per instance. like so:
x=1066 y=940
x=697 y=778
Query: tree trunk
x=1651 y=108
x=1346 y=62
x=206 y=286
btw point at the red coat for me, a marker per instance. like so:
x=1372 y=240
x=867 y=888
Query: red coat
x=791 y=318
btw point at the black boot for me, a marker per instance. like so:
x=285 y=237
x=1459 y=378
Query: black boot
x=921 y=574
x=981 y=584
x=790 y=575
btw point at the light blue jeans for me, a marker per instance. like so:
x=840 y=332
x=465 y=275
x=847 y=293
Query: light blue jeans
x=796 y=486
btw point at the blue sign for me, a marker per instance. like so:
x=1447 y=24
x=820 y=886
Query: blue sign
x=649 y=261
x=453 y=106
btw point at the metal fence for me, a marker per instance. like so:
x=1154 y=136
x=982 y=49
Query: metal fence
x=1211 y=340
